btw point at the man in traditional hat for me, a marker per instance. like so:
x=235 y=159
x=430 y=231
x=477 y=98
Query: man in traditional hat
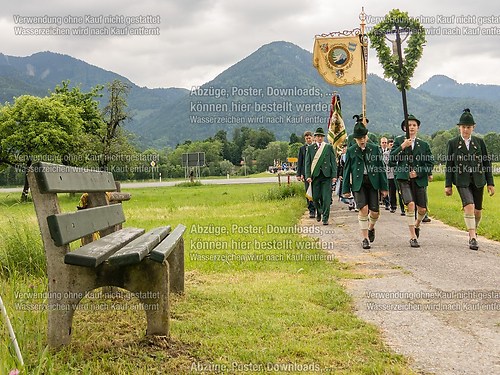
x=468 y=167
x=301 y=169
x=364 y=174
x=321 y=170
x=413 y=162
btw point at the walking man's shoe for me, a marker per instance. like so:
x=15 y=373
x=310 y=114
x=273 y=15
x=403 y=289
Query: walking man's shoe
x=414 y=243
x=318 y=216
x=371 y=234
x=473 y=244
x=366 y=244
x=426 y=219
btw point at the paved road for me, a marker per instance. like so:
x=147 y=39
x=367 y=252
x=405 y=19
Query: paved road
x=230 y=181
x=438 y=305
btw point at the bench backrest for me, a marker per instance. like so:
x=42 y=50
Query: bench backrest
x=47 y=180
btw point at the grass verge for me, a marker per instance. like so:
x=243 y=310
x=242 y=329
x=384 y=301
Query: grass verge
x=449 y=209
x=260 y=296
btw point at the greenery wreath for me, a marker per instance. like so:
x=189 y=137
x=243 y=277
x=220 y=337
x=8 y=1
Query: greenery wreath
x=412 y=53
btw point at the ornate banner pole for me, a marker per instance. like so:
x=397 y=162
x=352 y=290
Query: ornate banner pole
x=365 y=63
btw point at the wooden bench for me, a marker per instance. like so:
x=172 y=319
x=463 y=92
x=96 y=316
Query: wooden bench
x=149 y=265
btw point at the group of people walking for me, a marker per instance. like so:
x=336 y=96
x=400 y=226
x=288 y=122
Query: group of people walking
x=370 y=173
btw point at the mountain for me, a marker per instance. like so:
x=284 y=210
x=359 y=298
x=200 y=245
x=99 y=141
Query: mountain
x=43 y=71
x=275 y=87
x=281 y=72
x=440 y=85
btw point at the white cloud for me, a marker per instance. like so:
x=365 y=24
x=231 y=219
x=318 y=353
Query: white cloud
x=199 y=39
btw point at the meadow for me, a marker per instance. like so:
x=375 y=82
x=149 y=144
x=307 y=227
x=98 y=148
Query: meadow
x=449 y=209
x=261 y=296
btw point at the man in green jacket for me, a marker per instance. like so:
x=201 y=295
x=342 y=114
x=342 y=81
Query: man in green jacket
x=321 y=171
x=413 y=162
x=468 y=167
x=364 y=174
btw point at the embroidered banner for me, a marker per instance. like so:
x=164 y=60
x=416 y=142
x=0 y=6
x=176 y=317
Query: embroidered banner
x=339 y=59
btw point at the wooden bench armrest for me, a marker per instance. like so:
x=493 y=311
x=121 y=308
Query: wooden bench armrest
x=161 y=252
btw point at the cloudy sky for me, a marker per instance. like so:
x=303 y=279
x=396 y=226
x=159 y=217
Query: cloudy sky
x=198 y=39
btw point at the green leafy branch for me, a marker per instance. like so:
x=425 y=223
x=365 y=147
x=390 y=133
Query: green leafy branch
x=412 y=53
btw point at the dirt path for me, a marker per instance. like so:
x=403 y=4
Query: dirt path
x=438 y=305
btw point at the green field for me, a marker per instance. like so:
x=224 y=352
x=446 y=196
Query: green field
x=266 y=307
x=449 y=209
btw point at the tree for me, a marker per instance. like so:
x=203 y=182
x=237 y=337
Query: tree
x=248 y=156
x=114 y=115
x=36 y=128
x=439 y=141
x=226 y=167
x=90 y=115
x=86 y=101
x=294 y=139
x=274 y=151
x=293 y=150
x=492 y=141
x=260 y=138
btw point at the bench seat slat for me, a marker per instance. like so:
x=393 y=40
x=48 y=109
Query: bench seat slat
x=67 y=227
x=163 y=250
x=94 y=253
x=55 y=178
x=137 y=250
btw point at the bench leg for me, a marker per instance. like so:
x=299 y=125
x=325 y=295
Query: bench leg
x=61 y=309
x=176 y=268
x=149 y=281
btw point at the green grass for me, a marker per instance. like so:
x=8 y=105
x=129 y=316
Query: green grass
x=244 y=310
x=449 y=209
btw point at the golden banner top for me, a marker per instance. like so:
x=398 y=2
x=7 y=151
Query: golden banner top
x=339 y=60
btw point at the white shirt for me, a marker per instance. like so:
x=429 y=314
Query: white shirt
x=467 y=142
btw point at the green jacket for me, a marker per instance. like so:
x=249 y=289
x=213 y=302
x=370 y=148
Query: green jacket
x=327 y=162
x=355 y=166
x=465 y=166
x=419 y=159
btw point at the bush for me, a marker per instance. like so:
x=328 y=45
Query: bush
x=189 y=184
x=284 y=191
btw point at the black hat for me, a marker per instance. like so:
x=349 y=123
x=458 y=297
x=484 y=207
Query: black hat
x=319 y=131
x=359 y=130
x=466 y=118
x=410 y=117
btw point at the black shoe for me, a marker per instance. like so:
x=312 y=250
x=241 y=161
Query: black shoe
x=417 y=232
x=393 y=210
x=312 y=215
x=473 y=244
x=403 y=214
x=387 y=208
x=426 y=219
x=371 y=234
x=325 y=222
x=414 y=243
x=365 y=244
x=318 y=216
